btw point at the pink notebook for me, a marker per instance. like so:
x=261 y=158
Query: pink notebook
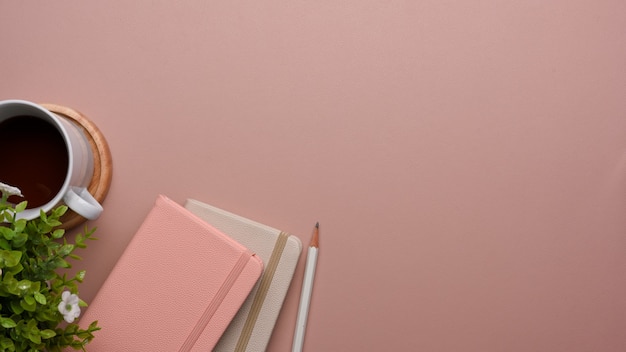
x=176 y=287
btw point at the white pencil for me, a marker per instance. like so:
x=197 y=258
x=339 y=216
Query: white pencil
x=307 y=287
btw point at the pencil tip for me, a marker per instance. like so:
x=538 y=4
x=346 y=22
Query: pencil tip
x=315 y=240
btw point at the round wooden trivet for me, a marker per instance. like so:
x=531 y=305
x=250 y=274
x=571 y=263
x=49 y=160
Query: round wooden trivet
x=103 y=166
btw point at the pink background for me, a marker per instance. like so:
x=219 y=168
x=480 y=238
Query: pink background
x=466 y=160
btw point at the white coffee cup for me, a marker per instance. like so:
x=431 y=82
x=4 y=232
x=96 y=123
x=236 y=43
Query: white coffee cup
x=74 y=167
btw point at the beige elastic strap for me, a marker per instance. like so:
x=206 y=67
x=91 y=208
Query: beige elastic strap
x=261 y=293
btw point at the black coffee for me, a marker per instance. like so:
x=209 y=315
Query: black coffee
x=33 y=158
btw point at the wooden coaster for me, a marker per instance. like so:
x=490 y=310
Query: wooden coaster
x=103 y=166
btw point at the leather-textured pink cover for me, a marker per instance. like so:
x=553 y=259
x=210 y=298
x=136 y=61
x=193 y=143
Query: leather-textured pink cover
x=176 y=287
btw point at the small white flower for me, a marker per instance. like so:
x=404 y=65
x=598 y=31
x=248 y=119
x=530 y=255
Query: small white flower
x=69 y=306
x=10 y=190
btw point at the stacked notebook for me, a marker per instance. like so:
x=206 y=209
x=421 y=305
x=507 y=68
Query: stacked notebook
x=194 y=278
x=252 y=327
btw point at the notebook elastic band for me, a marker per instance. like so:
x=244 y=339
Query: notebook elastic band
x=261 y=293
x=215 y=303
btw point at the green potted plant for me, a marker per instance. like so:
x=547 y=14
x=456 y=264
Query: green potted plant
x=38 y=302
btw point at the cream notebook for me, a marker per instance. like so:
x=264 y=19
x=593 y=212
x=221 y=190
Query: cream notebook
x=176 y=287
x=252 y=327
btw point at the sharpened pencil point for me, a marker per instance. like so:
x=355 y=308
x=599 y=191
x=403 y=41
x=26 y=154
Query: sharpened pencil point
x=315 y=241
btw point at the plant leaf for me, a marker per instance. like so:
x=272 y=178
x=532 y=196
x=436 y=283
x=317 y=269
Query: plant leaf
x=10 y=258
x=21 y=206
x=7 y=344
x=80 y=276
x=7 y=323
x=20 y=225
x=40 y=298
x=20 y=239
x=47 y=333
x=7 y=233
x=58 y=233
x=29 y=307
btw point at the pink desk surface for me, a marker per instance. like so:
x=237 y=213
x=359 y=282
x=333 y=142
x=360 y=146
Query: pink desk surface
x=466 y=160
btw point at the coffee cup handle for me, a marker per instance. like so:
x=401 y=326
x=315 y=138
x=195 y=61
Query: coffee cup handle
x=82 y=202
